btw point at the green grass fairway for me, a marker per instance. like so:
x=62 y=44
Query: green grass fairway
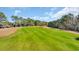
x=40 y=39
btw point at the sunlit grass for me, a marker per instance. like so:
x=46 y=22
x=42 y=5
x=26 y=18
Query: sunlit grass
x=39 y=38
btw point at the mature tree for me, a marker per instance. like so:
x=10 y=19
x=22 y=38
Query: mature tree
x=68 y=22
x=3 y=20
x=2 y=16
x=30 y=22
x=17 y=20
x=14 y=18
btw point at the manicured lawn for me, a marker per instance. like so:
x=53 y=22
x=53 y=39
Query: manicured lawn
x=40 y=39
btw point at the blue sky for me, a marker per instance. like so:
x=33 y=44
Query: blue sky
x=38 y=13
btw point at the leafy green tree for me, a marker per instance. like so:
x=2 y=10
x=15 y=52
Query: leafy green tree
x=17 y=20
x=30 y=22
x=3 y=20
x=2 y=16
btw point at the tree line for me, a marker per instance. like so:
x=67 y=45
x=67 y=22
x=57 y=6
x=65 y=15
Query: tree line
x=19 y=21
x=66 y=22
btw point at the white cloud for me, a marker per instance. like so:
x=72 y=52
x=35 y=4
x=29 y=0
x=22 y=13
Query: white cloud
x=51 y=11
x=25 y=17
x=17 y=12
x=46 y=16
x=43 y=18
x=73 y=10
x=49 y=16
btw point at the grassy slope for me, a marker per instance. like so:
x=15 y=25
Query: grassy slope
x=39 y=38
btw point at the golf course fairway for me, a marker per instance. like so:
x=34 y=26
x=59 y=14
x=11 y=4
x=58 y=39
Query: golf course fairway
x=34 y=38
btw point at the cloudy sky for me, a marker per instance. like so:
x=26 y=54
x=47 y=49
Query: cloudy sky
x=39 y=13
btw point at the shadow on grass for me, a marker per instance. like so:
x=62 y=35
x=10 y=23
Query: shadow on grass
x=77 y=38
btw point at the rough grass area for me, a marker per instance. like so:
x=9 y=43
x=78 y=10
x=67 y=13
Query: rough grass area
x=40 y=39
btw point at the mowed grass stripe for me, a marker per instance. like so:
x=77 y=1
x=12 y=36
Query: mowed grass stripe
x=55 y=43
x=39 y=38
x=44 y=40
x=60 y=40
x=38 y=44
x=71 y=43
